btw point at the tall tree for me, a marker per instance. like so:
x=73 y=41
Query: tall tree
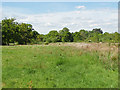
x=65 y=35
x=8 y=27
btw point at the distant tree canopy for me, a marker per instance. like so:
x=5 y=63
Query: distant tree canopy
x=22 y=33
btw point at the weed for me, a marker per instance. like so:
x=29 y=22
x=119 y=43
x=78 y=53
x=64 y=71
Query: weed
x=60 y=62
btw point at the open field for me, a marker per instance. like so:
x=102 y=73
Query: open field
x=60 y=65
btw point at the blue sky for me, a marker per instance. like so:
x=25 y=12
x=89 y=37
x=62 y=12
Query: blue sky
x=46 y=16
x=60 y=0
x=47 y=7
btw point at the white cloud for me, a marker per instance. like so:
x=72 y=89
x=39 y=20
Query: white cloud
x=48 y=24
x=108 y=23
x=80 y=7
x=105 y=19
x=93 y=25
x=0 y=12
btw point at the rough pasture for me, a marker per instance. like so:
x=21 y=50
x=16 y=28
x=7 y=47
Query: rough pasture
x=60 y=65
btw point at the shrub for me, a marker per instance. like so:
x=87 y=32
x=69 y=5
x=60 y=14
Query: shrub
x=11 y=44
x=89 y=41
x=16 y=43
x=46 y=43
x=40 y=43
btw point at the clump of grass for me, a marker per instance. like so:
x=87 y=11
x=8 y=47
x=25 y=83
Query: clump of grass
x=35 y=55
x=31 y=71
x=80 y=53
x=118 y=44
x=60 y=62
x=114 y=57
x=109 y=44
x=50 y=52
x=30 y=85
x=102 y=55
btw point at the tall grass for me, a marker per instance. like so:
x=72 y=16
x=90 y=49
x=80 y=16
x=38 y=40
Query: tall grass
x=59 y=66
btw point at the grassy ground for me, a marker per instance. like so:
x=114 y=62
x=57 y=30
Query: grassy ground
x=60 y=66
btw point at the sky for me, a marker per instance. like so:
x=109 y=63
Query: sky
x=60 y=0
x=47 y=16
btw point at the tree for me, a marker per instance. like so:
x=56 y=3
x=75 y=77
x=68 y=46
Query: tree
x=14 y=32
x=98 y=31
x=40 y=37
x=76 y=36
x=83 y=34
x=35 y=34
x=65 y=35
x=24 y=33
x=8 y=27
x=53 y=36
x=116 y=37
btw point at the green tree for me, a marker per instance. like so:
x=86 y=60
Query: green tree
x=76 y=36
x=65 y=35
x=53 y=36
x=24 y=33
x=40 y=37
x=83 y=34
x=8 y=28
x=98 y=31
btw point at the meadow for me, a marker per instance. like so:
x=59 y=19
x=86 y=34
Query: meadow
x=60 y=65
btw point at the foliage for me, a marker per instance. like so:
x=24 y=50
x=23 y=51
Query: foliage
x=23 y=33
x=65 y=35
x=17 y=32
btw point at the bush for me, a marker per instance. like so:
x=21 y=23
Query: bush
x=11 y=44
x=46 y=43
x=40 y=43
x=16 y=43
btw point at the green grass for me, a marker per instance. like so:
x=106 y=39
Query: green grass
x=55 y=67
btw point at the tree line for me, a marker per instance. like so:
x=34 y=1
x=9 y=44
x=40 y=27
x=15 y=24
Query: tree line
x=22 y=33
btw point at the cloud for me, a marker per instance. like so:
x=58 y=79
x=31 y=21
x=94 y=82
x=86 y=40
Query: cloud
x=80 y=7
x=0 y=13
x=93 y=25
x=106 y=19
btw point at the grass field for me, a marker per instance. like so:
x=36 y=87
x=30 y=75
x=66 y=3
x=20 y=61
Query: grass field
x=69 y=65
